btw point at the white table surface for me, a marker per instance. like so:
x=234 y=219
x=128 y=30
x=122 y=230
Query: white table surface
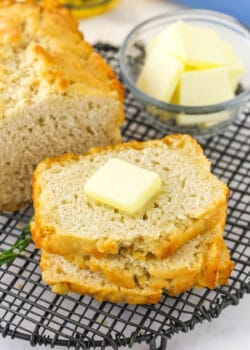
x=231 y=330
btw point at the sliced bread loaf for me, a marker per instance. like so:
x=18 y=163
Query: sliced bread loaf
x=191 y=201
x=189 y=260
x=64 y=277
x=57 y=94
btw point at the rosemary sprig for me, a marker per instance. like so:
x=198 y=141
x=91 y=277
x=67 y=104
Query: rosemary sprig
x=8 y=256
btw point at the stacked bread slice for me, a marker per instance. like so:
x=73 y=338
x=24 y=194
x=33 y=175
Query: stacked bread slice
x=172 y=244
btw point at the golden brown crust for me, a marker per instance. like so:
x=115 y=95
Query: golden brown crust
x=49 y=35
x=207 y=221
x=211 y=264
x=103 y=294
x=225 y=272
x=226 y=265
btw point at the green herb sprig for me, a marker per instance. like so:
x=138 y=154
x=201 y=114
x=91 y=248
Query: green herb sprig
x=9 y=255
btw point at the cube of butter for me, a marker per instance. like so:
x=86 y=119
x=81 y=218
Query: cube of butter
x=160 y=74
x=165 y=39
x=234 y=64
x=205 y=87
x=199 y=47
x=122 y=185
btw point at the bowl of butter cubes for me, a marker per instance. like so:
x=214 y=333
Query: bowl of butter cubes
x=190 y=70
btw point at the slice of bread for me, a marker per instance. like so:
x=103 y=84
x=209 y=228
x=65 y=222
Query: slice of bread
x=191 y=201
x=202 y=252
x=57 y=94
x=64 y=277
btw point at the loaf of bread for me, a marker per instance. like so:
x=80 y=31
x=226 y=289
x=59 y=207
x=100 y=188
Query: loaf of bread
x=191 y=201
x=57 y=94
x=209 y=265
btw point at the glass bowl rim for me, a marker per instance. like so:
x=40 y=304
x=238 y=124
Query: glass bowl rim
x=170 y=107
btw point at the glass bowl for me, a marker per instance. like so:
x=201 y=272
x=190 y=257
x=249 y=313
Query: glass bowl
x=166 y=116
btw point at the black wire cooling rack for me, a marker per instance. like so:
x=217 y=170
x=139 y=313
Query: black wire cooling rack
x=30 y=311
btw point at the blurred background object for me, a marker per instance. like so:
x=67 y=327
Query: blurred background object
x=237 y=8
x=88 y=8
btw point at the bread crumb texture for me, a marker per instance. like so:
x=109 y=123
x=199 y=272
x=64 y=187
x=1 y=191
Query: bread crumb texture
x=57 y=94
x=191 y=201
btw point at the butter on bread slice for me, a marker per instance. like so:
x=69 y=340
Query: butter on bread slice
x=66 y=221
x=123 y=185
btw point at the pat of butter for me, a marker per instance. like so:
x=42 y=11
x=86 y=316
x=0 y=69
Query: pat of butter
x=205 y=87
x=122 y=185
x=160 y=74
x=198 y=47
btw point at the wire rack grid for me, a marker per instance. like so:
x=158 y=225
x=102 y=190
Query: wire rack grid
x=30 y=311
